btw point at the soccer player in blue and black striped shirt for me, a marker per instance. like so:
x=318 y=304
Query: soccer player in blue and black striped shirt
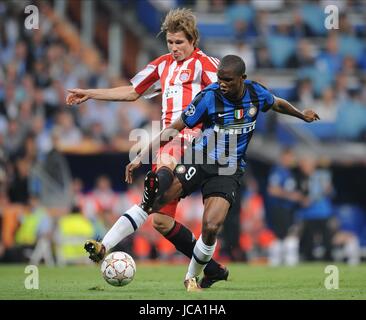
x=227 y=110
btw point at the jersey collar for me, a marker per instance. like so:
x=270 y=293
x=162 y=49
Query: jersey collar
x=194 y=54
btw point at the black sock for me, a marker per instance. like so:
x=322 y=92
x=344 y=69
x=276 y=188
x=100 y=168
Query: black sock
x=165 y=176
x=184 y=241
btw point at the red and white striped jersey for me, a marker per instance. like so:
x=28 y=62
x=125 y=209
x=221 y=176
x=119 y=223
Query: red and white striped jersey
x=179 y=81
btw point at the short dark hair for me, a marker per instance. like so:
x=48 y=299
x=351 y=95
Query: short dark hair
x=234 y=63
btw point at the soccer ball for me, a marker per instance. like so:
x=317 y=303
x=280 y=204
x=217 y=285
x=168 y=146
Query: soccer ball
x=118 y=268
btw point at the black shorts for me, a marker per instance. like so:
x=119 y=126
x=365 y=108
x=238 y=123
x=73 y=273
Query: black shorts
x=211 y=180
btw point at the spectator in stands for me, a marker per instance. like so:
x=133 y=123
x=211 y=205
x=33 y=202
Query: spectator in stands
x=350 y=226
x=263 y=59
x=283 y=200
x=316 y=210
x=349 y=44
x=69 y=135
x=240 y=15
x=342 y=87
x=327 y=64
x=42 y=136
x=330 y=59
x=313 y=16
x=273 y=5
x=305 y=93
x=255 y=236
x=351 y=118
x=327 y=107
x=102 y=112
x=304 y=55
x=241 y=49
x=300 y=28
x=19 y=183
x=13 y=138
x=261 y=24
x=349 y=66
x=280 y=44
x=44 y=233
x=106 y=200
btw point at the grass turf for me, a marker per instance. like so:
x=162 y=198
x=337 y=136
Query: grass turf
x=164 y=282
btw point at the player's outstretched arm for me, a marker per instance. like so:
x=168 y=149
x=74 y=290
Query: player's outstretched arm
x=161 y=140
x=283 y=106
x=124 y=93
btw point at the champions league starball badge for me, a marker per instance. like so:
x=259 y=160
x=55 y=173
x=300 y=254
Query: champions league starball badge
x=180 y=169
x=191 y=110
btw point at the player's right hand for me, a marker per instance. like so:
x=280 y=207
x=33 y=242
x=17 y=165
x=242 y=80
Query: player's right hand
x=77 y=96
x=134 y=164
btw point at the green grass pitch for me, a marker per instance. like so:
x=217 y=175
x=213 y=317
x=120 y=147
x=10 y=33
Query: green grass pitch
x=160 y=281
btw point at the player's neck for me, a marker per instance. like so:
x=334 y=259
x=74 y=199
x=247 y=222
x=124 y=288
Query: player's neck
x=188 y=56
x=240 y=94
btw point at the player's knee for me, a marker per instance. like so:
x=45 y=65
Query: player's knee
x=162 y=223
x=211 y=228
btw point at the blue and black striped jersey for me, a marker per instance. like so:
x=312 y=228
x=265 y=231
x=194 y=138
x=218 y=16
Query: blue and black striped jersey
x=227 y=125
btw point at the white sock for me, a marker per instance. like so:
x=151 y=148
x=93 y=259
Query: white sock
x=127 y=224
x=291 y=250
x=275 y=253
x=352 y=251
x=202 y=254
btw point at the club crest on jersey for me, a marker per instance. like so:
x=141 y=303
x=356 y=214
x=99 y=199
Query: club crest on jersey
x=238 y=113
x=184 y=75
x=252 y=111
x=191 y=110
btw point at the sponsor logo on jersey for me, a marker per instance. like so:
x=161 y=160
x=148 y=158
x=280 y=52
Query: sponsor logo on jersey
x=241 y=128
x=220 y=115
x=184 y=75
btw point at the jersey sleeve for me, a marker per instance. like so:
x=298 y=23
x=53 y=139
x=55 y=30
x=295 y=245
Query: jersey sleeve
x=196 y=111
x=209 y=70
x=147 y=81
x=265 y=96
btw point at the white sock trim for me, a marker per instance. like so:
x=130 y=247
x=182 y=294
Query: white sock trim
x=137 y=214
x=204 y=254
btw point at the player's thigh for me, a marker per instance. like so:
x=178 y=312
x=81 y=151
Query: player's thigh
x=190 y=177
x=170 y=154
x=225 y=187
x=166 y=160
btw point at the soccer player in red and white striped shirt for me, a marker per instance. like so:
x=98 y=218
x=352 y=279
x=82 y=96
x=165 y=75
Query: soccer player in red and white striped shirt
x=179 y=76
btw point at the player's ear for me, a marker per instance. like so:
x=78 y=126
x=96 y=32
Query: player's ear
x=244 y=76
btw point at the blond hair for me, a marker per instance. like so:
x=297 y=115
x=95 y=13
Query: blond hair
x=178 y=20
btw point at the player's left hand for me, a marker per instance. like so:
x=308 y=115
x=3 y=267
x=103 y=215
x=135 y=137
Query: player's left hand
x=310 y=115
x=134 y=164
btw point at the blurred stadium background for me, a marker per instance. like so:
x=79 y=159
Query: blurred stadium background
x=61 y=168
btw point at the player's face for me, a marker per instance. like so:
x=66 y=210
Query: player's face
x=179 y=46
x=231 y=85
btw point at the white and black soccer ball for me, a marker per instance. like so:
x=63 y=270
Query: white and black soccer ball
x=118 y=268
